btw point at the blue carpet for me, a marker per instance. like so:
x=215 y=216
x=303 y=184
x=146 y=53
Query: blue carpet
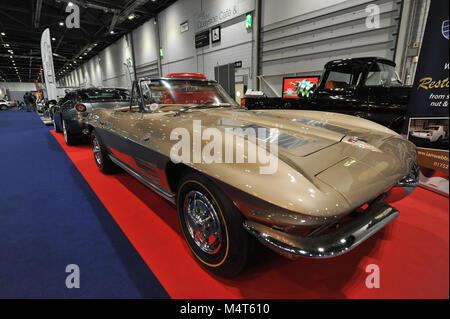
x=50 y=218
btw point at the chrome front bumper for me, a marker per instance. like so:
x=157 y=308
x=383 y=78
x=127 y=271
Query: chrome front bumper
x=341 y=240
x=410 y=181
x=332 y=244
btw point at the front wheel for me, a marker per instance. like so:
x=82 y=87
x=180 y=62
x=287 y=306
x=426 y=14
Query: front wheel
x=101 y=156
x=212 y=226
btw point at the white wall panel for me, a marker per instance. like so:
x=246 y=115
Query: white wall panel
x=180 y=54
x=145 y=47
x=297 y=37
x=314 y=33
x=178 y=46
x=19 y=86
x=276 y=11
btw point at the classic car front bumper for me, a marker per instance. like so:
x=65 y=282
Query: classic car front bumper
x=334 y=243
x=338 y=240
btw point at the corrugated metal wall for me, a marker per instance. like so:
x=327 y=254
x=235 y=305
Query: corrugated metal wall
x=303 y=44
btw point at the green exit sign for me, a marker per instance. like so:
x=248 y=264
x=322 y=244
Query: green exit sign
x=248 y=20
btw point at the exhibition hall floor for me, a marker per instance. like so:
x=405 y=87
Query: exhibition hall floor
x=57 y=208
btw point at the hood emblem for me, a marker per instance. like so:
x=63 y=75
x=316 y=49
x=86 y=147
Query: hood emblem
x=356 y=139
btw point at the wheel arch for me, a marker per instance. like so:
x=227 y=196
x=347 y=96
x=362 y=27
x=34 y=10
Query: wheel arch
x=174 y=171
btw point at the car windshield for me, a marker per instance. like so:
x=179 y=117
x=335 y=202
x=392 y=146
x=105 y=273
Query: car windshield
x=343 y=76
x=94 y=95
x=382 y=74
x=174 y=94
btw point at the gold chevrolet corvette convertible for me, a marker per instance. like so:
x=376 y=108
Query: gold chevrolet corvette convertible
x=304 y=183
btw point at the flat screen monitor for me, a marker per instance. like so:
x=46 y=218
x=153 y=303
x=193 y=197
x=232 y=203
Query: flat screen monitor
x=289 y=83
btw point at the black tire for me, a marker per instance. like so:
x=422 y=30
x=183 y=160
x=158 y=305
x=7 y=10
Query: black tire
x=55 y=126
x=3 y=107
x=68 y=137
x=101 y=157
x=229 y=247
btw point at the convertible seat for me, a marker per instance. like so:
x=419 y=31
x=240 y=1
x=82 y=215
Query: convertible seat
x=335 y=85
x=197 y=97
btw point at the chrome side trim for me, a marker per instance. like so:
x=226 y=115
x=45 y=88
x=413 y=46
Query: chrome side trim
x=332 y=244
x=157 y=189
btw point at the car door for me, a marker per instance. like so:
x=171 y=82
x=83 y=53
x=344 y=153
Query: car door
x=137 y=148
x=120 y=134
x=115 y=130
x=385 y=101
x=339 y=91
x=143 y=142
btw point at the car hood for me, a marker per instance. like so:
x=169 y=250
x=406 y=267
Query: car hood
x=349 y=159
x=328 y=164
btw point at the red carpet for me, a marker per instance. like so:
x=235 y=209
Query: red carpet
x=412 y=253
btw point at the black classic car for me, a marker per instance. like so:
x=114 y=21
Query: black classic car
x=69 y=114
x=365 y=87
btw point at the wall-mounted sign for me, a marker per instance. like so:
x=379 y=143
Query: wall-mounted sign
x=222 y=11
x=238 y=64
x=184 y=26
x=215 y=34
x=249 y=20
x=202 y=39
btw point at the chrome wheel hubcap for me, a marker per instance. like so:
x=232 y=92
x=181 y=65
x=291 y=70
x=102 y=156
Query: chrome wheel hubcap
x=65 y=131
x=202 y=222
x=97 y=151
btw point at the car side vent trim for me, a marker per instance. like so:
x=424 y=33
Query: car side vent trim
x=324 y=125
x=263 y=133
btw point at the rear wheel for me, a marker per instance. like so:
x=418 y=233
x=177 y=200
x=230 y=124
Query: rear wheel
x=101 y=157
x=212 y=226
x=55 y=126
x=68 y=137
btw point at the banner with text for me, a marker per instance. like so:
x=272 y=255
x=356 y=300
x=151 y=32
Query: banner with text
x=47 y=63
x=428 y=104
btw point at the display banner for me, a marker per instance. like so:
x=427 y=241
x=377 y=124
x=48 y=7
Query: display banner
x=428 y=103
x=47 y=63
